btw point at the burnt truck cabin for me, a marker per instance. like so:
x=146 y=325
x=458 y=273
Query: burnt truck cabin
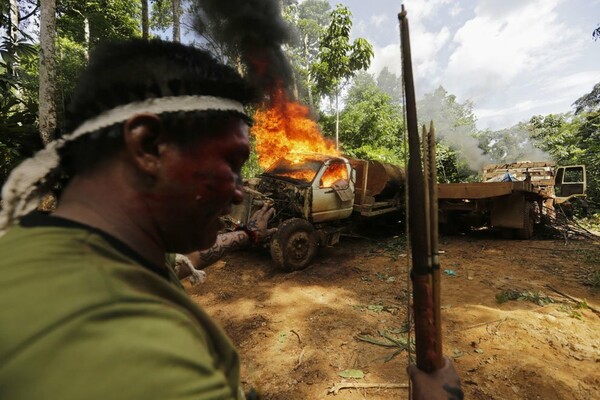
x=315 y=197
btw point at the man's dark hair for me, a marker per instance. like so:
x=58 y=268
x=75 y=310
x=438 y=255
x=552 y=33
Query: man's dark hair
x=137 y=70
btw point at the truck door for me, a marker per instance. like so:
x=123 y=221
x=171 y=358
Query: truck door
x=570 y=182
x=333 y=192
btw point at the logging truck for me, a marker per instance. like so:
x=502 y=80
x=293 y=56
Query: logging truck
x=316 y=197
x=511 y=197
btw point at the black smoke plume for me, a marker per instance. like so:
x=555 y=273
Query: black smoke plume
x=255 y=31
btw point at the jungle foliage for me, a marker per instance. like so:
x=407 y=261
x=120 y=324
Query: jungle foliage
x=327 y=64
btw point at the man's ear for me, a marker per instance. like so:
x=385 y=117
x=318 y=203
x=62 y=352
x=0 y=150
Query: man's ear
x=142 y=134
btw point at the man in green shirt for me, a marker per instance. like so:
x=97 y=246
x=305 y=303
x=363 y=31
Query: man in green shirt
x=157 y=136
x=157 y=139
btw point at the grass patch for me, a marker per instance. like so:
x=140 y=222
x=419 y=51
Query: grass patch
x=532 y=296
x=590 y=256
x=595 y=279
x=394 y=246
x=399 y=344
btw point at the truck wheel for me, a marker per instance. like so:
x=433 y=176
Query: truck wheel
x=526 y=233
x=294 y=245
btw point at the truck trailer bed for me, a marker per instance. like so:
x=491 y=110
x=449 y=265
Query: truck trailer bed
x=482 y=190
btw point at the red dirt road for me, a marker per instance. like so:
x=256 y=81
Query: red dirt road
x=297 y=331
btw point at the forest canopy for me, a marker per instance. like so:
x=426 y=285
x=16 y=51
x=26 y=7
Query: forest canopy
x=369 y=109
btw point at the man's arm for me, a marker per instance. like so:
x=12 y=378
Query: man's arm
x=257 y=227
x=225 y=242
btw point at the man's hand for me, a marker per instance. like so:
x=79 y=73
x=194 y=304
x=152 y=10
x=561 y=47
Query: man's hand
x=442 y=384
x=259 y=221
x=185 y=268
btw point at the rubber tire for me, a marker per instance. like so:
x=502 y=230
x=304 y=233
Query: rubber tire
x=294 y=245
x=529 y=219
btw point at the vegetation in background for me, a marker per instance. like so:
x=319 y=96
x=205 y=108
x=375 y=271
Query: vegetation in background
x=325 y=60
x=310 y=19
x=339 y=59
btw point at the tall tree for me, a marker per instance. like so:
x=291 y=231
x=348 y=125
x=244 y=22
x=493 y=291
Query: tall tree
x=145 y=22
x=19 y=134
x=572 y=139
x=47 y=113
x=81 y=26
x=557 y=135
x=391 y=84
x=340 y=59
x=310 y=18
x=108 y=20
x=167 y=14
x=588 y=102
x=13 y=32
x=176 y=7
x=455 y=126
x=511 y=145
x=370 y=124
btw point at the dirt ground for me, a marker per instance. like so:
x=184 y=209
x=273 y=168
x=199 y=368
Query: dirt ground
x=297 y=331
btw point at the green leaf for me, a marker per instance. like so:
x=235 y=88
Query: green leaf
x=375 y=307
x=352 y=374
x=282 y=336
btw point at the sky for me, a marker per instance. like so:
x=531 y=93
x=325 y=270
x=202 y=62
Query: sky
x=512 y=58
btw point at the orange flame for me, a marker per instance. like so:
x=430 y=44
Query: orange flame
x=335 y=172
x=286 y=131
x=305 y=176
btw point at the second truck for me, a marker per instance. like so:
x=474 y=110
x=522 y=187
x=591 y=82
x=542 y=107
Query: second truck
x=511 y=197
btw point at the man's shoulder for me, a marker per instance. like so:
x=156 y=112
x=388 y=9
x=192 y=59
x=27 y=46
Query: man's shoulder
x=52 y=278
x=122 y=350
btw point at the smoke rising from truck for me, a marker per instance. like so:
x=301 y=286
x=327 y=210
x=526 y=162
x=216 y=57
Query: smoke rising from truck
x=257 y=31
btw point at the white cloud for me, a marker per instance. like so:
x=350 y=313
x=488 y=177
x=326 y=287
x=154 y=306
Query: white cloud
x=425 y=47
x=379 y=19
x=503 y=42
x=425 y=44
x=419 y=10
x=388 y=56
x=455 y=10
x=512 y=58
x=580 y=82
x=359 y=29
x=508 y=115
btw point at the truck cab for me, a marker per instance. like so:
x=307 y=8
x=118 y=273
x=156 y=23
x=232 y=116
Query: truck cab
x=569 y=182
x=314 y=196
x=315 y=187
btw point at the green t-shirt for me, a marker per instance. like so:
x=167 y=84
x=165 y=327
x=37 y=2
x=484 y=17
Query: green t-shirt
x=84 y=317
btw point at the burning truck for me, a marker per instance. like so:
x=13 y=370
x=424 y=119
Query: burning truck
x=316 y=191
x=316 y=198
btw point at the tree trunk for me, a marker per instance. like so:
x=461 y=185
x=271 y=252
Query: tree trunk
x=308 y=74
x=337 y=120
x=13 y=33
x=13 y=28
x=145 y=24
x=47 y=93
x=176 y=20
x=86 y=37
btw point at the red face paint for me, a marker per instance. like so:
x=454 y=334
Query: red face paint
x=197 y=184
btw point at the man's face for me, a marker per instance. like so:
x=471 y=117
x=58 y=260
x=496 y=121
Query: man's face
x=199 y=183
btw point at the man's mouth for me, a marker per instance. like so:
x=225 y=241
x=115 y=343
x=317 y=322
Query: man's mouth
x=226 y=211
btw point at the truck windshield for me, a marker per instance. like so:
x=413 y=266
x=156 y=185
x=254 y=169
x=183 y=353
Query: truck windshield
x=303 y=171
